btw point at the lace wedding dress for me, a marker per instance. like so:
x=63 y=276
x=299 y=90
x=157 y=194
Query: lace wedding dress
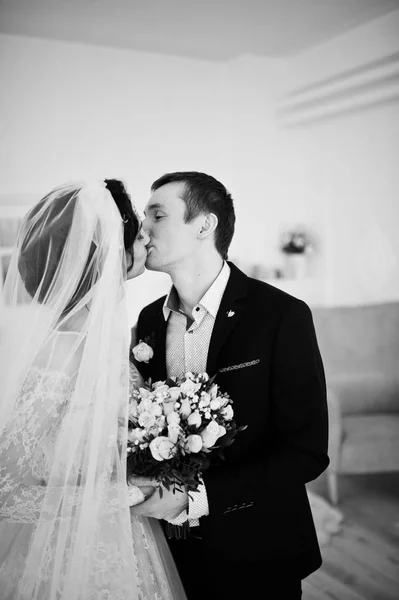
x=26 y=451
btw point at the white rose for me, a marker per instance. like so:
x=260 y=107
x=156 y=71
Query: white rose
x=213 y=428
x=210 y=434
x=161 y=421
x=213 y=391
x=185 y=409
x=204 y=402
x=161 y=391
x=145 y=405
x=158 y=384
x=136 y=435
x=222 y=431
x=188 y=387
x=224 y=401
x=153 y=431
x=162 y=448
x=156 y=410
x=146 y=420
x=195 y=419
x=173 y=417
x=174 y=393
x=216 y=404
x=143 y=352
x=168 y=407
x=144 y=393
x=205 y=399
x=208 y=440
x=193 y=443
x=174 y=430
x=227 y=413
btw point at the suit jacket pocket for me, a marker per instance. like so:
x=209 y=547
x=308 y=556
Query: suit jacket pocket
x=237 y=507
x=243 y=365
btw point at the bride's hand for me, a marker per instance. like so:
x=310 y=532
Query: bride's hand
x=170 y=506
x=147 y=490
x=145 y=484
x=143 y=481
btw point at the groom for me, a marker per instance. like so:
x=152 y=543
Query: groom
x=251 y=528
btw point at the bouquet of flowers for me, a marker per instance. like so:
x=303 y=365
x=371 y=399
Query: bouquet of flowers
x=296 y=242
x=174 y=427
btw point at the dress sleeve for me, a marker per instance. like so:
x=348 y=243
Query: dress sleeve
x=37 y=416
x=37 y=413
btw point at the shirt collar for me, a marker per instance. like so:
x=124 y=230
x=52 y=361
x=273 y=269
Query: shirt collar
x=210 y=300
x=171 y=303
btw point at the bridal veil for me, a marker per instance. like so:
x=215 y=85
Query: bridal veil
x=65 y=528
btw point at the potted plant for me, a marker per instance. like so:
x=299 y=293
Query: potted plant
x=296 y=244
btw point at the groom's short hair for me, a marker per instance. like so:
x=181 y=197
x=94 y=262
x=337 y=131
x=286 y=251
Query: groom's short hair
x=204 y=194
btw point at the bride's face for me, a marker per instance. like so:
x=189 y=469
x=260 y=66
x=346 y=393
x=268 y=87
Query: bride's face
x=139 y=254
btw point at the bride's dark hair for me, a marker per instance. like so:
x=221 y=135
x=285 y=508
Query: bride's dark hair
x=39 y=259
x=132 y=224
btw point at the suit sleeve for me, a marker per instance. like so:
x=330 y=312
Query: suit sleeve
x=295 y=451
x=137 y=334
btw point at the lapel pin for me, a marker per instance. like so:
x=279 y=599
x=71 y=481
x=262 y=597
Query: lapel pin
x=231 y=313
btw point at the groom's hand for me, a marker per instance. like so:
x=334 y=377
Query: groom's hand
x=170 y=506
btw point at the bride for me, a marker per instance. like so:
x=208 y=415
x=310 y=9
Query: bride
x=65 y=526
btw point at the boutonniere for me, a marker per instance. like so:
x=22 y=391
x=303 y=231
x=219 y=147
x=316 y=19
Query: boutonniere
x=143 y=351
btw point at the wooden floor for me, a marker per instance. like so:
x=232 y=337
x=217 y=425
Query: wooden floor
x=361 y=562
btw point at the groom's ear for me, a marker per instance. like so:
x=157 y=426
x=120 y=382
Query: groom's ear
x=207 y=226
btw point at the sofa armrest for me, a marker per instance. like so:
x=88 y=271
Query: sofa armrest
x=335 y=428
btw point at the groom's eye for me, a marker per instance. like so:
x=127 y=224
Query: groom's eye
x=158 y=216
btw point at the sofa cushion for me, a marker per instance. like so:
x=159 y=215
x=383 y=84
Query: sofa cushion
x=370 y=444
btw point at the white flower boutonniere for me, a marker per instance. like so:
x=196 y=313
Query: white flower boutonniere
x=143 y=352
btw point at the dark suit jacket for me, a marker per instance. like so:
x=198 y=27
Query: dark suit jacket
x=267 y=358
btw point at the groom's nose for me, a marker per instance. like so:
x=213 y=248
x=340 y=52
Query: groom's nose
x=145 y=226
x=145 y=236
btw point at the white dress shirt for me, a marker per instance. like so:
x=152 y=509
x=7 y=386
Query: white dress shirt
x=187 y=345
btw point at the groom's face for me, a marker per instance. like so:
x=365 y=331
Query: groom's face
x=172 y=241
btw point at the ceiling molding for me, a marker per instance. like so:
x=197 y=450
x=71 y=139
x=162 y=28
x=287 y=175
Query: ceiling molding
x=363 y=87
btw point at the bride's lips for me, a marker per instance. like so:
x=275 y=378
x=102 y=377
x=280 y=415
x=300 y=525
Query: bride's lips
x=149 y=248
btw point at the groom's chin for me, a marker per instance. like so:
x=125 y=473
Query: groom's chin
x=151 y=267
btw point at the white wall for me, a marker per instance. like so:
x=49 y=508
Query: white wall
x=254 y=182
x=73 y=111
x=342 y=170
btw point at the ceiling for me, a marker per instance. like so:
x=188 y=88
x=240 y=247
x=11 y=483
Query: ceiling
x=207 y=29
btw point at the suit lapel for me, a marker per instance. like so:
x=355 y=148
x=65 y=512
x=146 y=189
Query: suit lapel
x=159 y=366
x=229 y=313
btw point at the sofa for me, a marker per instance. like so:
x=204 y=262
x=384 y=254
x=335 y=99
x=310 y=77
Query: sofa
x=360 y=350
